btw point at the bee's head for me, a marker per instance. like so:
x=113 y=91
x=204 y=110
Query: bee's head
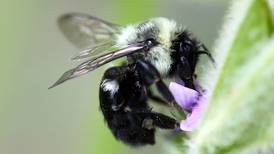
x=160 y=31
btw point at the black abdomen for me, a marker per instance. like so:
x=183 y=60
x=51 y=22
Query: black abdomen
x=126 y=123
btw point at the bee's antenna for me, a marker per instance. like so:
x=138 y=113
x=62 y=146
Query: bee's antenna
x=206 y=52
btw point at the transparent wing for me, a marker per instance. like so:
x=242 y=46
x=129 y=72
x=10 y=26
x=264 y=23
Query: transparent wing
x=95 y=51
x=85 y=31
x=96 y=62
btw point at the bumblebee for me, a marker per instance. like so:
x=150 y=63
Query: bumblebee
x=155 y=50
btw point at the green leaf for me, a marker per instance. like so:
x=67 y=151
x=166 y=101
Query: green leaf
x=240 y=116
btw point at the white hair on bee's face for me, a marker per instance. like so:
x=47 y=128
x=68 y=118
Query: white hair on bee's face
x=162 y=30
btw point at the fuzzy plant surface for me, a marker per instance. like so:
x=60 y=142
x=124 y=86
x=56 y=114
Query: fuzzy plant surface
x=239 y=117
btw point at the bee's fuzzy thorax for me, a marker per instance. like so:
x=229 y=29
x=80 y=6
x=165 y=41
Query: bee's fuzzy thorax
x=167 y=30
x=162 y=30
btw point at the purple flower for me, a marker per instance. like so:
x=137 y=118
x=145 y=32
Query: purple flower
x=193 y=102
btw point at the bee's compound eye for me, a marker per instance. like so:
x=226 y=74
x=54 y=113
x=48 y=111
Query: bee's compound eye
x=150 y=42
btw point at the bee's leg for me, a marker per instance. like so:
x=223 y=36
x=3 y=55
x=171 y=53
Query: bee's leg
x=110 y=97
x=155 y=98
x=185 y=72
x=163 y=121
x=154 y=119
x=188 y=60
x=150 y=75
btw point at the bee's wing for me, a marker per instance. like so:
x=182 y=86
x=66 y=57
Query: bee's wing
x=96 y=62
x=85 y=31
x=96 y=50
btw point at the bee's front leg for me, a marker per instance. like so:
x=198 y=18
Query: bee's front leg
x=185 y=72
x=150 y=75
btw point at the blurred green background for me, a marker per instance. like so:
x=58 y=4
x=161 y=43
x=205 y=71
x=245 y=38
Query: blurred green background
x=34 y=53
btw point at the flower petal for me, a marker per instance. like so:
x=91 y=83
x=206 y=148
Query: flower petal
x=194 y=117
x=186 y=97
x=191 y=101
